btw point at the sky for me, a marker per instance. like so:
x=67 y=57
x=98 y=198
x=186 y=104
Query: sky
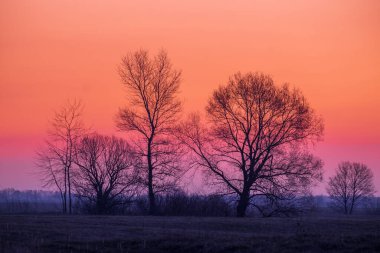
x=51 y=51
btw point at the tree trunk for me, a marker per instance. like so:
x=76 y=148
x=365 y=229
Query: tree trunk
x=346 y=205
x=152 y=200
x=100 y=204
x=65 y=194
x=63 y=201
x=69 y=184
x=352 y=205
x=242 y=204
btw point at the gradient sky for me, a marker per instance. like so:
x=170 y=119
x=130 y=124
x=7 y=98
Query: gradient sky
x=51 y=51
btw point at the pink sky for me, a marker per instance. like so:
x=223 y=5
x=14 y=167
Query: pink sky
x=51 y=51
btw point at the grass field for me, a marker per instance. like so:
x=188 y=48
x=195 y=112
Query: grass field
x=44 y=233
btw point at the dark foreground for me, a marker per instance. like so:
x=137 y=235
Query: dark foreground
x=187 y=234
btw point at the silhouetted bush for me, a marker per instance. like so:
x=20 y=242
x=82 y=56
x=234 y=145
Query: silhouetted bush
x=120 y=205
x=181 y=204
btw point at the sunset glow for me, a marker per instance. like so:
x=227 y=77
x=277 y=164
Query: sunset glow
x=51 y=51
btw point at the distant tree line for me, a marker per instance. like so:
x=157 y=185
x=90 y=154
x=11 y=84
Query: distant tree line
x=252 y=146
x=29 y=201
x=178 y=203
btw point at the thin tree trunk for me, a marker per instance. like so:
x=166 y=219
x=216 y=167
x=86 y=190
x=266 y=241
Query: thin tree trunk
x=65 y=194
x=69 y=151
x=69 y=184
x=152 y=200
x=352 y=204
x=353 y=198
x=345 y=205
x=63 y=201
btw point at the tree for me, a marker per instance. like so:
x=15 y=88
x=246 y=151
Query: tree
x=153 y=109
x=56 y=159
x=105 y=171
x=351 y=184
x=255 y=142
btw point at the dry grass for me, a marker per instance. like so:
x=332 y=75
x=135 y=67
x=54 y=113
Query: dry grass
x=27 y=233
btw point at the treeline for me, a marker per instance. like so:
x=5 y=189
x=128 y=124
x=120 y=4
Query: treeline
x=30 y=201
x=252 y=146
x=177 y=204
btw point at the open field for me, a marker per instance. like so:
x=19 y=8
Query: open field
x=48 y=233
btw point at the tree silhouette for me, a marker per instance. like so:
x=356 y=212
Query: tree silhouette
x=57 y=159
x=152 y=86
x=105 y=171
x=256 y=138
x=352 y=183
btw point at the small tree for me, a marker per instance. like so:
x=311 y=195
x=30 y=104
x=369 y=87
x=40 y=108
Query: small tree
x=351 y=184
x=153 y=109
x=255 y=142
x=105 y=172
x=56 y=160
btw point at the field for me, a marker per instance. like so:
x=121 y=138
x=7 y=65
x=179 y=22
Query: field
x=48 y=233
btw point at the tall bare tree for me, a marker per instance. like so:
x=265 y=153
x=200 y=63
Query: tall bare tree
x=56 y=159
x=255 y=140
x=352 y=183
x=153 y=108
x=105 y=171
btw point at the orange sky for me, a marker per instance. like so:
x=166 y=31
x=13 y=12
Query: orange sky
x=54 y=50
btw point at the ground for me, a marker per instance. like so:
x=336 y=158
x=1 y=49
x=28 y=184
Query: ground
x=49 y=233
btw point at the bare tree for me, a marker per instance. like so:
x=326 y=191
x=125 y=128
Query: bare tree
x=56 y=159
x=352 y=183
x=105 y=171
x=256 y=138
x=152 y=86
